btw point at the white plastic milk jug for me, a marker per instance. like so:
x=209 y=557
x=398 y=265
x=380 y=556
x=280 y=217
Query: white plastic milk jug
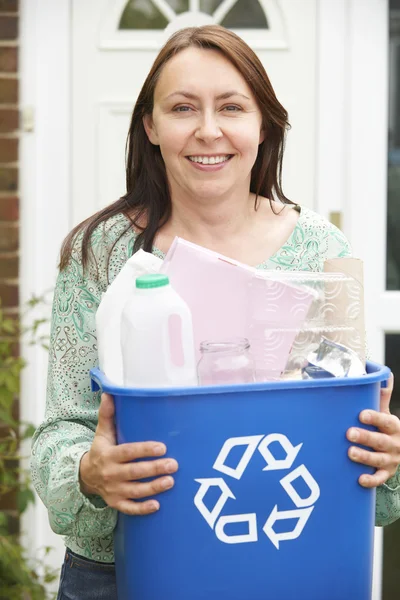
x=157 y=336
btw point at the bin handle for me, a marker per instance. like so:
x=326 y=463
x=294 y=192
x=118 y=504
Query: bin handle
x=385 y=382
x=95 y=380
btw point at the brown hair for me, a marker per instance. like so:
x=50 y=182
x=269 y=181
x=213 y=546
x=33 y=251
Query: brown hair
x=147 y=197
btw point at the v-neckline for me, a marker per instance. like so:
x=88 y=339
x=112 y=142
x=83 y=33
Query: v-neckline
x=160 y=254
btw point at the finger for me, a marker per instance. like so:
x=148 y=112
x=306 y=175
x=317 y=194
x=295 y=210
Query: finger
x=105 y=425
x=128 y=507
x=143 y=469
x=385 y=422
x=128 y=452
x=379 y=460
x=376 y=440
x=137 y=491
x=371 y=481
x=386 y=394
x=133 y=471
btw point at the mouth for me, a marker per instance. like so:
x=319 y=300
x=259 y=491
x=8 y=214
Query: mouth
x=216 y=159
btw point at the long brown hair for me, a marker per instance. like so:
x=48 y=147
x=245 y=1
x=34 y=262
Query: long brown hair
x=147 y=198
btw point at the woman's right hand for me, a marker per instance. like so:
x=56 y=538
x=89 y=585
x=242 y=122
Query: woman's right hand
x=114 y=471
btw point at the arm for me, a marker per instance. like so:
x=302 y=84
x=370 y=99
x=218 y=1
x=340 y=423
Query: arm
x=71 y=409
x=386 y=443
x=385 y=457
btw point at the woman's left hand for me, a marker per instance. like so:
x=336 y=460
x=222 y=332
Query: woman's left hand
x=385 y=442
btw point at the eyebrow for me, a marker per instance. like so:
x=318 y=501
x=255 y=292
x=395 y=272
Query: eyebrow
x=191 y=96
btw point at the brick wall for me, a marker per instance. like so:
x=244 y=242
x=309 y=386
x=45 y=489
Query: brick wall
x=9 y=197
x=9 y=133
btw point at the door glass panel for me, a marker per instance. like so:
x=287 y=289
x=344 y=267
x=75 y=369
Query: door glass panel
x=393 y=202
x=209 y=6
x=148 y=14
x=142 y=14
x=391 y=535
x=246 y=15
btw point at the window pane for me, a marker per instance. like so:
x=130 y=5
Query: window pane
x=142 y=14
x=209 y=6
x=393 y=203
x=247 y=14
x=179 y=6
x=391 y=535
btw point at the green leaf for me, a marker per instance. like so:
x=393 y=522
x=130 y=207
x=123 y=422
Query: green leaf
x=24 y=498
x=28 y=432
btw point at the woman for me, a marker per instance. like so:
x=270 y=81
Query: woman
x=204 y=163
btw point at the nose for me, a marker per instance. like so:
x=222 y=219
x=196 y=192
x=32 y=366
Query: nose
x=208 y=129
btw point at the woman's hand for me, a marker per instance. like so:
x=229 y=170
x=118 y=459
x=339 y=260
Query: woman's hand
x=385 y=441
x=113 y=472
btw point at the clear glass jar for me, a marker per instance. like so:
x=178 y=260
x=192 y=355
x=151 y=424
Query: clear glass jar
x=226 y=363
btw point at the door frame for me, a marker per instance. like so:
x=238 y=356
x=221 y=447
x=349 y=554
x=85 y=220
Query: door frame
x=348 y=53
x=45 y=92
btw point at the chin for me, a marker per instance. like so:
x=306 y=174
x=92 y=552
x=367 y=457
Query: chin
x=210 y=192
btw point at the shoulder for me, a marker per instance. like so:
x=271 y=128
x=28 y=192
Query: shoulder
x=326 y=238
x=109 y=247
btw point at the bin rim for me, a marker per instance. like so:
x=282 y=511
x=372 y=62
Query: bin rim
x=376 y=373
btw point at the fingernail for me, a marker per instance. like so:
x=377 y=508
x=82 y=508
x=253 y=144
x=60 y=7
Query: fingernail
x=154 y=506
x=367 y=417
x=354 y=453
x=353 y=435
x=159 y=449
x=170 y=466
x=167 y=483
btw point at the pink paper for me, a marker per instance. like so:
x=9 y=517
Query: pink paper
x=229 y=299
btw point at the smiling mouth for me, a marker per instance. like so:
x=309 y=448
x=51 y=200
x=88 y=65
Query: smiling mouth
x=210 y=160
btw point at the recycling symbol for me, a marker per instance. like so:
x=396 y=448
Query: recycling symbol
x=303 y=506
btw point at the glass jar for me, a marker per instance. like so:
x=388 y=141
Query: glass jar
x=226 y=363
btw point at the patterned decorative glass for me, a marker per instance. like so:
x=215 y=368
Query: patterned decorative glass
x=156 y=14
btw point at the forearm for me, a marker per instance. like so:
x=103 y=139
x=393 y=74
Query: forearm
x=55 y=467
x=388 y=501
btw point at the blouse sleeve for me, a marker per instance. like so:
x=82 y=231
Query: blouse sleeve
x=71 y=414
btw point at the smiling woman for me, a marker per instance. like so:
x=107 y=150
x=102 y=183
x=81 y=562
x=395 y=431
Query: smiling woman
x=204 y=162
x=205 y=125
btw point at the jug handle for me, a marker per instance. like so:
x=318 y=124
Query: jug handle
x=186 y=341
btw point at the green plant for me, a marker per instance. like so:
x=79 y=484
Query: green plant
x=19 y=578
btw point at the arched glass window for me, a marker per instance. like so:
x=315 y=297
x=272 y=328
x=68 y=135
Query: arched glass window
x=157 y=14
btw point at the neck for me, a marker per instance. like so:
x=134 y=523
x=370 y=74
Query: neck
x=205 y=220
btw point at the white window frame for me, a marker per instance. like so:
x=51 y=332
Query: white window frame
x=112 y=38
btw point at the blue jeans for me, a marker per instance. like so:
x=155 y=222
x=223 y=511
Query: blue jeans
x=84 y=579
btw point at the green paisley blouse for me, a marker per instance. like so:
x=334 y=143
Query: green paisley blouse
x=71 y=410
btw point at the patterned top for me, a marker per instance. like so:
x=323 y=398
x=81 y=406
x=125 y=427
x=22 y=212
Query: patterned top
x=71 y=412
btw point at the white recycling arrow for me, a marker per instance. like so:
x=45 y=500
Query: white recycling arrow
x=251 y=536
x=301 y=514
x=274 y=464
x=250 y=441
x=205 y=484
x=304 y=473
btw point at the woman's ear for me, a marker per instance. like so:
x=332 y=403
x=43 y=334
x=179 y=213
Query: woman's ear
x=150 y=129
x=262 y=136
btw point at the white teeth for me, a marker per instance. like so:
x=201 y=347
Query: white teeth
x=209 y=160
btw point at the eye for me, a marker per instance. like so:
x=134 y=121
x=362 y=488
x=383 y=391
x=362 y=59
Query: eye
x=181 y=109
x=232 y=108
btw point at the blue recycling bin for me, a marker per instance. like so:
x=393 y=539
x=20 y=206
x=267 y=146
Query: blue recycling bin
x=266 y=503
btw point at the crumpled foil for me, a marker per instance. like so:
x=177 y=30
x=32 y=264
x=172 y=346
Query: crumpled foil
x=333 y=360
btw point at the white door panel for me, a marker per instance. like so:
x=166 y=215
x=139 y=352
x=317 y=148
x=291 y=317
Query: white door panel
x=110 y=66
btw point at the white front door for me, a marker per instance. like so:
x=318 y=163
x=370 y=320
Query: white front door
x=84 y=62
x=114 y=43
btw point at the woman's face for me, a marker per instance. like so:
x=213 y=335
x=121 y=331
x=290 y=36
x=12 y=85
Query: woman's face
x=207 y=124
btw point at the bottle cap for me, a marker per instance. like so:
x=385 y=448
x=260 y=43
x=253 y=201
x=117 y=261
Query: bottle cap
x=154 y=280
